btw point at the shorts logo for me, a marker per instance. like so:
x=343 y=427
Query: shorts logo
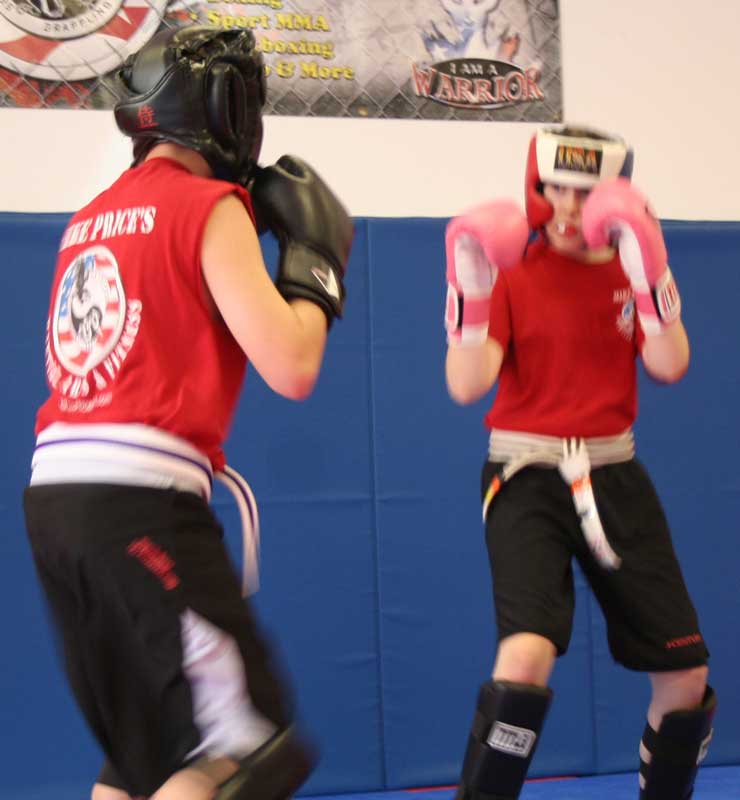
x=684 y=641
x=511 y=739
x=89 y=312
x=155 y=560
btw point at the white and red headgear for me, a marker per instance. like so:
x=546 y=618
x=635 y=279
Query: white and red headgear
x=579 y=157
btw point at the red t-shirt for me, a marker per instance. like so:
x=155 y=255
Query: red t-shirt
x=570 y=340
x=130 y=333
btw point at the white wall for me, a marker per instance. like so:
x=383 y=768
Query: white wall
x=663 y=73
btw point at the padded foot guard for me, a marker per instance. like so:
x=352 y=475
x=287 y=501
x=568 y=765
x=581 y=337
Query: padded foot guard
x=503 y=738
x=677 y=750
x=274 y=771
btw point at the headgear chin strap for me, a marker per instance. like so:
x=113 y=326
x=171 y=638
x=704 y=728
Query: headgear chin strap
x=199 y=87
x=579 y=157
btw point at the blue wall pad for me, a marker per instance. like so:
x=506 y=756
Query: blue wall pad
x=375 y=584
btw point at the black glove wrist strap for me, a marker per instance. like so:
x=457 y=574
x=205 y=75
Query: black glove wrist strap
x=305 y=273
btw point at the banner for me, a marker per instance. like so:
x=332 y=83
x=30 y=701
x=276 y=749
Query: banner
x=408 y=59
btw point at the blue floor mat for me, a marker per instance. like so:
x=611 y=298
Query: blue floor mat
x=713 y=783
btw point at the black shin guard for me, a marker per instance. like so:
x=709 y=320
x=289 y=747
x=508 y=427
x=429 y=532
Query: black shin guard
x=676 y=751
x=274 y=771
x=502 y=741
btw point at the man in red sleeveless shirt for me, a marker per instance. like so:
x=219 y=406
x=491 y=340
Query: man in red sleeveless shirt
x=159 y=297
x=557 y=305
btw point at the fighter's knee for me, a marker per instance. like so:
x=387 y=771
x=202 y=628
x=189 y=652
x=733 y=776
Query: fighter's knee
x=699 y=676
x=102 y=792
x=696 y=683
x=681 y=689
x=525 y=658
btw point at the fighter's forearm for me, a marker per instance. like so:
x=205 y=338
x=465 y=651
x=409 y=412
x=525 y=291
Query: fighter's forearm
x=666 y=354
x=472 y=371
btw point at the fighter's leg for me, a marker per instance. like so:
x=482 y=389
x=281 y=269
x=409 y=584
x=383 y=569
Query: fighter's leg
x=508 y=719
x=677 y=734
x=534 y=596
x=503 y=737
x=652 y=627
x=205 y=682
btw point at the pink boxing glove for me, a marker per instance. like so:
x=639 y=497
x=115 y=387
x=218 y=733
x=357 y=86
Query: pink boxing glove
x=478 y=243
x=616 y=212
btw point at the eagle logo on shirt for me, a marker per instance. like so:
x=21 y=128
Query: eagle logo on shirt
x=89 y=313
x=626 y=319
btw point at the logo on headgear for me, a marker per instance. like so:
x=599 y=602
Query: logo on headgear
x=146 y=118
x=578 y=159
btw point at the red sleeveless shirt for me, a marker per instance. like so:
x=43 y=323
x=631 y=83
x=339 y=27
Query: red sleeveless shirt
x=130 y=335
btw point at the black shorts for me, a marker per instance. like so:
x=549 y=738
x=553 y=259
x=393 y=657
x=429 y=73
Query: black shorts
x=533 y=532
x=159 y=646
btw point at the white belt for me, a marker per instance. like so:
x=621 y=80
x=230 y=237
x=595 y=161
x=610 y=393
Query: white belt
x=574 y=458
x=139 y=455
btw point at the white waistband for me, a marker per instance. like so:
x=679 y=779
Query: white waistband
x=517 y=449
x=139 y=455
x=130 y=454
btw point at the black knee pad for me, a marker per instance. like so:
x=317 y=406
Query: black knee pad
x=275 y=771
x=503 y=737
x=676 y=751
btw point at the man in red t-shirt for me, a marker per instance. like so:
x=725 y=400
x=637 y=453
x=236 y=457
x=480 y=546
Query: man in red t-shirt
x=159 y=297
x=557 y=305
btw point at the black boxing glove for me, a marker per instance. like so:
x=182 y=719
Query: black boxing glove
x=313 y=229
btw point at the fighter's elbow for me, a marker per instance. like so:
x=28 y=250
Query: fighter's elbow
x=463 y=393
x=301 y=389
x=295 y=384
x=668 y=371
x=668 y=376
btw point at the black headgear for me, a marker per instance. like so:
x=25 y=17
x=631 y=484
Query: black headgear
x=199 y=87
